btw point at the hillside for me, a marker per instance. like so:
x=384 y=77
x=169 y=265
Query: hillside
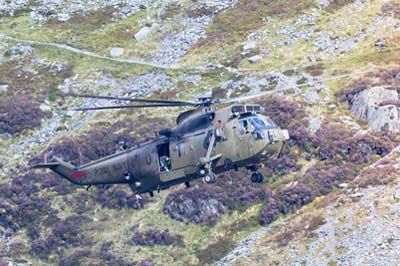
x=331 y=73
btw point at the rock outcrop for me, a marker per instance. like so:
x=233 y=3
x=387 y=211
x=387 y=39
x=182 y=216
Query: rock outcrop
x=366 y=105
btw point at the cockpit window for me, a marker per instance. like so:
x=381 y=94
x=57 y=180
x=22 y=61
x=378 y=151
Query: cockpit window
x=257 y=122
x=255 y=125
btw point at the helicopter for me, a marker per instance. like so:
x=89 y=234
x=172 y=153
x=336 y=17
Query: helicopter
x=204 y=143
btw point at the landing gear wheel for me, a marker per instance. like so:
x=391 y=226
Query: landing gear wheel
x=257 y=177
x=210 y=178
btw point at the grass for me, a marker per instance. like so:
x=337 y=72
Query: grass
x=95 y=31
x=230 y=28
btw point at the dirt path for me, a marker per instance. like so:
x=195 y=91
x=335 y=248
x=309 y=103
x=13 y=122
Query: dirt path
x=91 y=54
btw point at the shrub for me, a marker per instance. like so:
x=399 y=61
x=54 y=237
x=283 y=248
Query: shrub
x=67 y=232
x=270 y=212
x=277 y=167
x=381 y=174
x=323 y=177
x=39 y=249
x=20 y=113
x=337 y=143
x=390 y=102
x=388 y=78
x=154 y=237
x=75 y=258
x=206 y=203
x=295 y=196
x=391 y=8
x=114 y=197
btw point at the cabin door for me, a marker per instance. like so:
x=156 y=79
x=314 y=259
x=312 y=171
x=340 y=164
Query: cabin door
x=244 y=139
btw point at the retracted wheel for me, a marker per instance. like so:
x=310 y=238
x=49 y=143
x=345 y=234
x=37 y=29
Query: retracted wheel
x=210 y=178
x=257 y=177
x=254 y=177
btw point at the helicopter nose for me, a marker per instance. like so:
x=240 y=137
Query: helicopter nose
x=274 y=141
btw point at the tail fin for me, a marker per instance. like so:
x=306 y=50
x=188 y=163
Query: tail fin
x=64 y=169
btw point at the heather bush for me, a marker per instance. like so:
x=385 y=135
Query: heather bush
x=114 y=197
x=323 y=177
x=39 y=249
x=154 y=237
x=388 y=78
x=75 y=258
x=67 y=232
x=276 y=167
x=390 y=102
x=108 y=258
x=270 y=212
x=381 y=174
x=206 y=203
x=17 y=114
x=336 y=142
x=391 y=8
x=146 y=263
x=295 y=196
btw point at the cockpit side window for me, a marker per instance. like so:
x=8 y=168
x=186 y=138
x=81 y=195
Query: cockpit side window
x=245 y=127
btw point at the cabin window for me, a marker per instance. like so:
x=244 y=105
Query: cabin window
x=164 y=159
x=180 y=148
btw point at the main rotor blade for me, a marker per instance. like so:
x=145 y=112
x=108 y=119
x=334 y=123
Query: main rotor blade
x=128 y=99
x=245 y=98
x=263 y=93
x=127 y=107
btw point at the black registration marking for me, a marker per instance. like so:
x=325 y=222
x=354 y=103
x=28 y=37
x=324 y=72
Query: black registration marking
x=106 y=170
x=103 y=170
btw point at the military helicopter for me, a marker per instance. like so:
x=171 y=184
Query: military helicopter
x=205 y=142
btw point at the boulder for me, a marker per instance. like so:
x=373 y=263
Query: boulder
x=249 y=45
x=369 y=98
x=384 y=118
x=63 y=17
x=116 y=51
x=144 y=32
x=380 y=44
x=3 y=86
x=255 y=59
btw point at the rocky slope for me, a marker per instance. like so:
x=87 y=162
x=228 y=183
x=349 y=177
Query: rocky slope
x=332 y=75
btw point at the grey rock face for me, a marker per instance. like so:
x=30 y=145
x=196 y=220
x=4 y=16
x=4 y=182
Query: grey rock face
x=9 y=7
x=384 y=118
x=368 y=98
x=144 y=32
x=365 y=106
x=173 y=45
x=19 y=51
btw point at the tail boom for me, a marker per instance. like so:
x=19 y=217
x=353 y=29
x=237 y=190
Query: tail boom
x=64 y=169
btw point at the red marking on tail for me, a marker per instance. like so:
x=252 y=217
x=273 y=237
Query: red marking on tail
x=78 y=175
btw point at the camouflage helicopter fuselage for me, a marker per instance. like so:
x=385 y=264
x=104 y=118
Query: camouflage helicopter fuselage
x=203 y=143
